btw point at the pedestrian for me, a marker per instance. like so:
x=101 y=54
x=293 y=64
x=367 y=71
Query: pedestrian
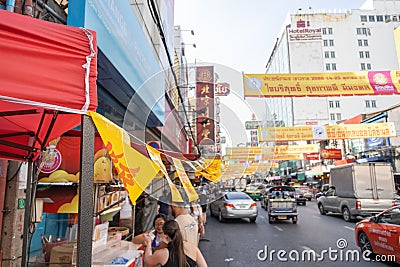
x=187 y=224
x=178 y=253
x=203 y=204
x=196 y=213
x=155 y=234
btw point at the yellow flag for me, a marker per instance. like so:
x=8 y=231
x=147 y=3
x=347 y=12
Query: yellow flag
x=135 y=170
x=212 y=171
x=155 y=155
x=187 y=185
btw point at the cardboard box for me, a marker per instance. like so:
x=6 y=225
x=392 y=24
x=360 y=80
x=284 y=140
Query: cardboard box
x=62 y=256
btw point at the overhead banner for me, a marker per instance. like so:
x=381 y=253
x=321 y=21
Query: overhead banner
x=187 y=185
x=322 y=84
x=135 y=170
x=333 y=132
x=250 y=152
x=155 y=155
x=212 y=171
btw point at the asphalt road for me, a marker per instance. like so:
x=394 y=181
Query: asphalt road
x=239 y=243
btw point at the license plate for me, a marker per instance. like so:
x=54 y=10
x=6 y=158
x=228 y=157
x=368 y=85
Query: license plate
x=282 y=217
x=242 y=206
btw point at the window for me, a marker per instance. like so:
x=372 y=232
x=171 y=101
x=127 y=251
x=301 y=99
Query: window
x=326 y=54
x=394 y=18
x=361 y=31
x=387 y=18
x=371 y=18
x=325 y=42
x=361 y=53
x=330 y=31
x=362 y=66
x=323 y=30
x=330 y=104
x=379 y=18
x=365 y=42
x=333 y=66
x=332 y=116
x=366 y=54
x=338 y=116
x=333 y=54
x=360 y=42
x=327 y=66
x=368 y=66
x=373 y=103
x=337 y=104
x=363 y=18
x=331 y=43
x=367 y=104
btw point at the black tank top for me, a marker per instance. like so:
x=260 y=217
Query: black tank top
x=172 y=261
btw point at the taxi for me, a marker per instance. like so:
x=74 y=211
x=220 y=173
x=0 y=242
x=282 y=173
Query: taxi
x=380 y=234
x=253 y=191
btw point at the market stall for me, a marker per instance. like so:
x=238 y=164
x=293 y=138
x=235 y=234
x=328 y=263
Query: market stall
x=48 y=83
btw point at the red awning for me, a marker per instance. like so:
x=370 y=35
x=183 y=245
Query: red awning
x=48 y=79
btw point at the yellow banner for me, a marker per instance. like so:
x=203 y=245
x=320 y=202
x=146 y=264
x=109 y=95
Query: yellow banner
x=322 y=84
x=333 y=132
x=155 y=155
x=135 y=170
x=187 y=185
x=212 y=170
x=397 y=42
x=268 y=152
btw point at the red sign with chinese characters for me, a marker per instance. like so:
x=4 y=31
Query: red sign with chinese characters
x=331 y=153
x=205 y=105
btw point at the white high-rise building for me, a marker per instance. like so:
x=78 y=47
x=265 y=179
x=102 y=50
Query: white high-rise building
x=335 y=41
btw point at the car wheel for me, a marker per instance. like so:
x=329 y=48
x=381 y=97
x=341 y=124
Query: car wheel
x=294 y=220
x=305 y=203
x=253 y=220
x=220 y=218
x=364 y=243
x=321 y=209
x=346 y=214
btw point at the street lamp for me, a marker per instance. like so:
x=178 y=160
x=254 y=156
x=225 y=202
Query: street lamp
x=191 y=31
x=183 y=44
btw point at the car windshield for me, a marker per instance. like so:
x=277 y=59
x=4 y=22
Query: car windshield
x=236 y=195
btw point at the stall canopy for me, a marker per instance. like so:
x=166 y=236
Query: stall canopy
x=48 y=79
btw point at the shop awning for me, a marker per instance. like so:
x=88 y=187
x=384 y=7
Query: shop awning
x=48 y=79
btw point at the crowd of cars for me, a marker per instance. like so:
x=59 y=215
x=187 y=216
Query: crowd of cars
x=379 y=234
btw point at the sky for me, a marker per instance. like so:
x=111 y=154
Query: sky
x=240 y=34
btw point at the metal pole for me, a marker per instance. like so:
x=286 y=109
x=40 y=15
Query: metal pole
x=85 y=215
x=27 y=217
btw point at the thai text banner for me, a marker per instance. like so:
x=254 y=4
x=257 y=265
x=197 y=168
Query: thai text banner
x=316 y=132
x=322 y=84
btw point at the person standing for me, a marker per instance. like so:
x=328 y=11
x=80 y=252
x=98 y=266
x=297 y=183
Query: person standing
x=187 y=224
x=179 y=253
x=203 y=204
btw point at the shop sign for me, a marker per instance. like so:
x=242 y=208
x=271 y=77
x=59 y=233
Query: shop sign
x=252 y=125
x=21 y=203
x=222 y=89
x=331 y=153
x=312 y=156
x=52 y=162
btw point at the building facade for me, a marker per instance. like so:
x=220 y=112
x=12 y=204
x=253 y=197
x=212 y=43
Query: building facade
x=316 y=41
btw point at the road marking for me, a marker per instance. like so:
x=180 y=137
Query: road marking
x=348 y=227
x=262 y=217
x=315 y=216
x=307 y=248
x=278 y=228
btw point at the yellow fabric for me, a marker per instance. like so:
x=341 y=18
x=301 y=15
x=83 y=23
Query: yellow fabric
x=135 y=170
x=155 y=155
x=187 y=185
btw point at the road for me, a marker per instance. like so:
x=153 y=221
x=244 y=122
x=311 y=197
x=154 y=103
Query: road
x=238 y=243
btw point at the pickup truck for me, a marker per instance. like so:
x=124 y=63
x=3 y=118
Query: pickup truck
x=362 y=189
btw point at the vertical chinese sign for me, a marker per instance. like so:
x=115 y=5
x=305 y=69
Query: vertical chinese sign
x=205 y=105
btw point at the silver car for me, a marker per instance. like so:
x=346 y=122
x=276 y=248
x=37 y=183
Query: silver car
x=234 y=205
